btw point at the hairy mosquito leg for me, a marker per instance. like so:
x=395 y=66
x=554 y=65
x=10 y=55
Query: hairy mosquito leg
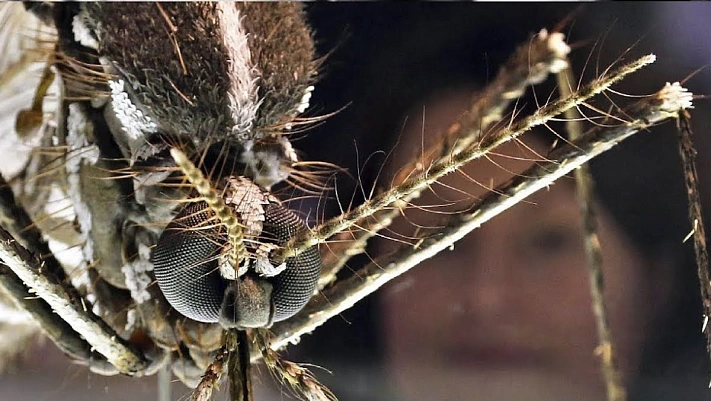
x=530 y=64
x=299 y=379
x=585 y=188
x=19 y=224
x=427 y=175
x=651 y=110
x=96 y=332
x=203 y=391
x=15 y=219
x=56 y=329
x=688 y=158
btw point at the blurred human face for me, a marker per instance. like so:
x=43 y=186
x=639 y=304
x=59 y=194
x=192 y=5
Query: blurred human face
x=507 y=313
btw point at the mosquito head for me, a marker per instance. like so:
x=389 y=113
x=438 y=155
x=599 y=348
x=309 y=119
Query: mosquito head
x=224 y=82
x=192 y=272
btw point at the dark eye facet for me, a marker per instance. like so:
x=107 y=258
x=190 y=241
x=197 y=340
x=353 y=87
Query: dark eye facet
x=295 y=285
x=185 y=263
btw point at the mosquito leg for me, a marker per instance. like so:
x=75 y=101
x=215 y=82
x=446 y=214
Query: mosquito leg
x=56 y=329
x=530 y=64
x=38 y=269
x=651 y=110
x=422 y=177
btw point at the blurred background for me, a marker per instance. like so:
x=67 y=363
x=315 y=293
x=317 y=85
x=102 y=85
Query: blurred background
x=384 y=62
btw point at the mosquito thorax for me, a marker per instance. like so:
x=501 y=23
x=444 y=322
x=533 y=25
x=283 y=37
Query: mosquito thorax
x=233 y=73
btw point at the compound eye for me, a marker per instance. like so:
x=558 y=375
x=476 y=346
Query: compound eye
x=185 y=261
x=297 y=283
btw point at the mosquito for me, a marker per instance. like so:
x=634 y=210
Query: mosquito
x=144 y=215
